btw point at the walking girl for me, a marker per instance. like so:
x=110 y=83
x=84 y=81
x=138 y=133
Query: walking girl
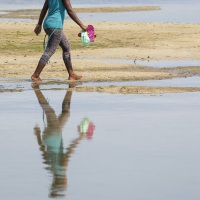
x=53 y=26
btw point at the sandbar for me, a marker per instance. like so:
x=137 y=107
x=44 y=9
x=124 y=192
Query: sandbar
x=20 y=50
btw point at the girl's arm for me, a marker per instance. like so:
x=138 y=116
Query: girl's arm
x=72 y=14
x=41 y=18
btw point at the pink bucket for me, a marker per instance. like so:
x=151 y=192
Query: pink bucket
x=91 y=33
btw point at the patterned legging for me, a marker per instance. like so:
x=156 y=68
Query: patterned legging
x=57 y=38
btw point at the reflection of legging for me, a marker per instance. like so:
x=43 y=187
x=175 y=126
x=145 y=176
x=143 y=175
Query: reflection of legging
x=57 y=38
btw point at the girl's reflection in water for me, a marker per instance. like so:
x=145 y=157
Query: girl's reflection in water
x=51 y=143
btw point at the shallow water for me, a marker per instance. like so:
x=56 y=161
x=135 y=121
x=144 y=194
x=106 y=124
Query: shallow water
x=154 y=63
x=176 y=13
x=2 y=12
x=15 y=20
x=25 y=85
x=168 y=63
x=171 y=11
x=144 y=147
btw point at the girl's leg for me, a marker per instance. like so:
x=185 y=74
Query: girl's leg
x=52 y=45
x=36 y=75
x=65 y=45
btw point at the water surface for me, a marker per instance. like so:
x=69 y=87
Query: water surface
x=144 y=147
x=175 y=13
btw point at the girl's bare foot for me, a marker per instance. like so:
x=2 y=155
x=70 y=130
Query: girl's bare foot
x=35 y=78
x=74 y=77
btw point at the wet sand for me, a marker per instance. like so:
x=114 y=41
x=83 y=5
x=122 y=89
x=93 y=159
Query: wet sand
x=20 y=51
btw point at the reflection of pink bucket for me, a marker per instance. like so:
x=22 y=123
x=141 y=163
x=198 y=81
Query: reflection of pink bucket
x=87 y=127
x=91 y=34
x=90 y=130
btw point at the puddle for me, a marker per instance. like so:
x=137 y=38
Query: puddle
x=169 y=63
x=154 y=63
x=3 y=12
x=146 y=147
x=175 y=82
x=15 y=20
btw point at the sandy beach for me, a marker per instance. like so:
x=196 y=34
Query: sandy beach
x=20 y=50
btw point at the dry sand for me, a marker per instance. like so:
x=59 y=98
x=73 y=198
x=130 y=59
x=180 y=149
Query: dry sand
x=20 y=51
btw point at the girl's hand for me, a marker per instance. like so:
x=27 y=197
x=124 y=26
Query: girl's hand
x=84 y=28
x=38 y=29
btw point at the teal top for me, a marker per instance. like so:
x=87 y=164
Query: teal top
x=55 y=152
x=56 y=15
